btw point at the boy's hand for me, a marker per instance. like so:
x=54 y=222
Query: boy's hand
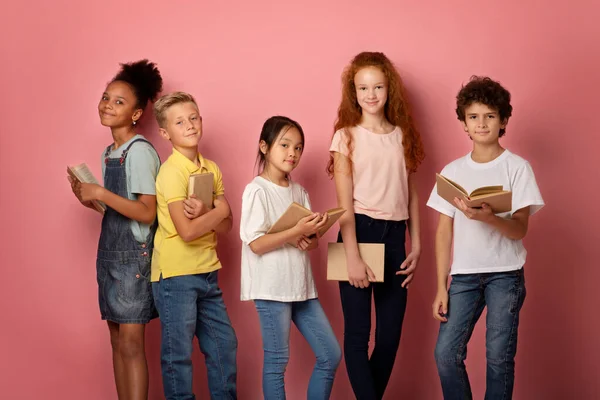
x=483 y=214
x=193 y=208
x=440 y=306
x=409 y=267
x=85 y=192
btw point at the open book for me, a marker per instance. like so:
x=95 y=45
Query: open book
x=296 y=212
x=202 y=185
x=83 y=174
x=498 y=199
x=373 y=254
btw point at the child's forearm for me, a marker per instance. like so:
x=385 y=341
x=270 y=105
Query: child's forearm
x=348 y=230
x=414 y=228
x=272 y=241
x=136 y=210
x=443 y=247
x=204 y=224
x=514 y=228
x=225 y=225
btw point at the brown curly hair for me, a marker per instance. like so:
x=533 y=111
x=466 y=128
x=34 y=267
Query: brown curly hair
x=484 y=90
x=397 y=110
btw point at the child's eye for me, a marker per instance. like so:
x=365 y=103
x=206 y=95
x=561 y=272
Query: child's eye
x=104 y=98
x=472 y=117
x=119 y=102
x=299 y=148
x=178 y=122
x=491 y=116
x=284 y=145
x=194 y=118
x=379 y=87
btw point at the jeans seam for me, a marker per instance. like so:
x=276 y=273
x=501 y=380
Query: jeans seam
x=463 y=343
x=327 y=355
x=219 y=363
x=164 y=294
x=511 y=337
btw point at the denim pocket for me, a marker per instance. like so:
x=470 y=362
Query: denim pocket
x=517 y=292
x=134 y=280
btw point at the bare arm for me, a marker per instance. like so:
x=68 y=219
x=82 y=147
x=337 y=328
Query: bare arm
x=225 y=225
x=514 y=228
x=192 y=229
x=271 y=241
x=359 y=273
x=443 y=247
x=143 y=209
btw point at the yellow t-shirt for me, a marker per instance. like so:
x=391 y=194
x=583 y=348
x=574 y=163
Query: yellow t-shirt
x=172 y=256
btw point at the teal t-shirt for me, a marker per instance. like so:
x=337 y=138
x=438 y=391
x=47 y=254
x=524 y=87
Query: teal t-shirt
x=141 y=166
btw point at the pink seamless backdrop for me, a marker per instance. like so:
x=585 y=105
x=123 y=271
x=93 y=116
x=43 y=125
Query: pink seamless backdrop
x=246 y=61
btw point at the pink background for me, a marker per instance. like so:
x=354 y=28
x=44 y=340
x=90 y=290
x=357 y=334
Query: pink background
x=246 y=61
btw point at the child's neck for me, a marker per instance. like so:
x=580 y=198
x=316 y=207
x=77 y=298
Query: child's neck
x=486 y=153
x=376 y=123
x=275 y=176
x=191 y=153
x=122 y=135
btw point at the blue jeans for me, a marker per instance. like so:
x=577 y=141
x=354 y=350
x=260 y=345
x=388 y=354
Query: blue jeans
x=503 y=293
x=310 y=319
x=193 y=305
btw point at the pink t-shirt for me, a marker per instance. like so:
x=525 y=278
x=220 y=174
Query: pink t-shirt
x=378 y=172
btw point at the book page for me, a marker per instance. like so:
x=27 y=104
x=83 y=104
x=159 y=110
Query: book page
x=83 y=173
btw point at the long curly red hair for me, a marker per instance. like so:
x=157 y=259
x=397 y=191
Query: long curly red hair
x=397 y=110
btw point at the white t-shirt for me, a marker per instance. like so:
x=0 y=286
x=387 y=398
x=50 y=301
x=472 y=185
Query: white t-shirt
x=479 y=248
x=283 y=274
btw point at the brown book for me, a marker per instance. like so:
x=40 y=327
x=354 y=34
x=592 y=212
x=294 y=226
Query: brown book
x=373 y=254
x=296 y=212
x=498 y=199
x=83 y=174
x=202 y=185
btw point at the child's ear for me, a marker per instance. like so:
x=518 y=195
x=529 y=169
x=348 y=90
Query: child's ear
x=464 y=124
x=137 y=114
x=163 y=132
x=504 y=123
x=264 y=147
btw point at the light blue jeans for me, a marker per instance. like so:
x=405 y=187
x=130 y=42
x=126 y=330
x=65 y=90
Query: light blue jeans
x=310 y=319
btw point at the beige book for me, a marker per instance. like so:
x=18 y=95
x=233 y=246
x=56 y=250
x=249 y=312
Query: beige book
x=202 y=185
x=295 y=212
x=373 y=254
x=498 y=199
x=83 y=174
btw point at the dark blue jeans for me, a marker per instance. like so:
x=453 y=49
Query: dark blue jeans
x=503 y=293
x=193 y=305
x=369 y=376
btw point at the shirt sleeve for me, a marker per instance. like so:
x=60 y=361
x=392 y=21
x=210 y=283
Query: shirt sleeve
x=339 y=143
x=142 y=167
x=219 y=187
x=173 y=184
x=525 y=191
x=437 y=202
x=254 y=220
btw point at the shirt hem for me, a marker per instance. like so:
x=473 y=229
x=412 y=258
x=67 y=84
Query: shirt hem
x=485 y=270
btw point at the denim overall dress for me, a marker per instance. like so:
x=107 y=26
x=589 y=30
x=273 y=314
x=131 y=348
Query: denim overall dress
x=123 y=263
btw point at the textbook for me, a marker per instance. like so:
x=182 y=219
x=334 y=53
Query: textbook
x=373 y=254
x=498 y=199
x=83 y=174
x=202 y=185
x=296 y=212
